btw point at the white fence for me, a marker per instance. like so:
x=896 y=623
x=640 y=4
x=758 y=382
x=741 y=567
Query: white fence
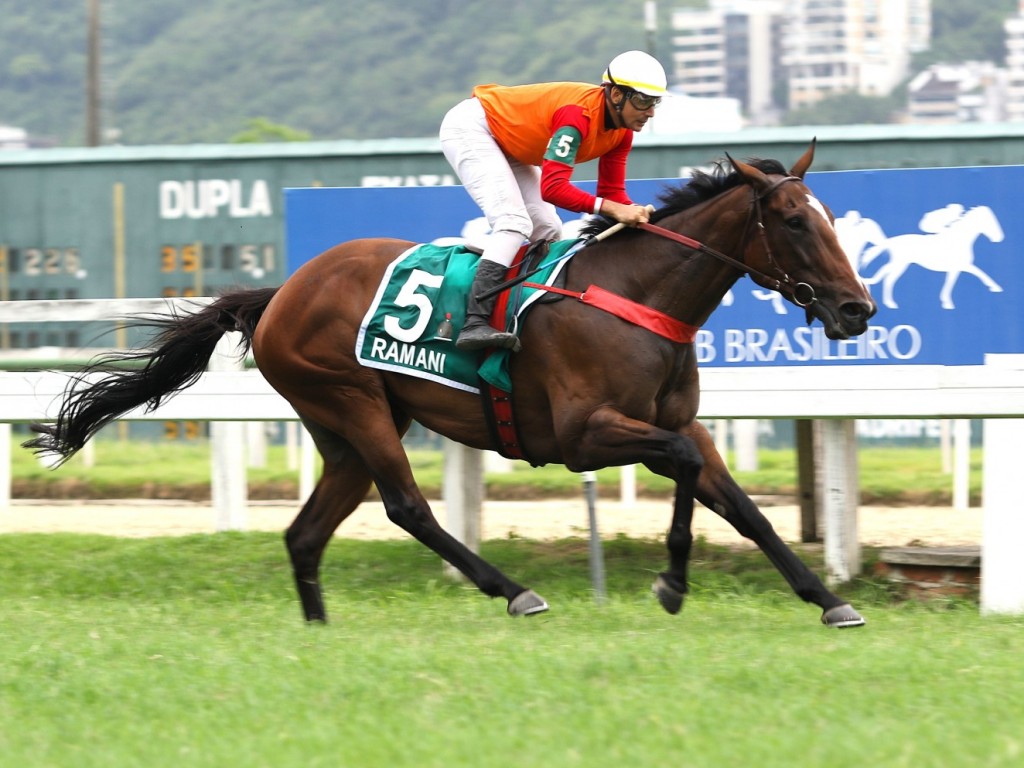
x=832 y=395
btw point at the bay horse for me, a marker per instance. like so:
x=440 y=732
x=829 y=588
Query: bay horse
x=590 y=389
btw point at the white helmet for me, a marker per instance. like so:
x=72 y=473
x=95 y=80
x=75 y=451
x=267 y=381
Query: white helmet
x=638 y=71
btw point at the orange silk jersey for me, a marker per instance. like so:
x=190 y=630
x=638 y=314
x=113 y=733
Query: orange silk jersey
x=521 y=117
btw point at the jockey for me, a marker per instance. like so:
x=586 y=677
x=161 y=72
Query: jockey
x=514 y=148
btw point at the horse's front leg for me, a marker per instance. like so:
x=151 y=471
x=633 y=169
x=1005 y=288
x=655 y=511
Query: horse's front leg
x=672 y=585
x=611 y=439
x=717 y=490
x=946 y=293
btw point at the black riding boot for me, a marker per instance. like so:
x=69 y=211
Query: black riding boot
x=477 y=332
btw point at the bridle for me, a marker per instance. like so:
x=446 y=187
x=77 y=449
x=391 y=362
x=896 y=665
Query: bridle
x=802 y=293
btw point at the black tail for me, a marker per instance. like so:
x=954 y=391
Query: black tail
x=180 y=351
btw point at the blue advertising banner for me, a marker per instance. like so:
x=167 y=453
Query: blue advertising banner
x=939 y=249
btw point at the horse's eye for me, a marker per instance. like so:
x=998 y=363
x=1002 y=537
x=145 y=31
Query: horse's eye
x=795 y=223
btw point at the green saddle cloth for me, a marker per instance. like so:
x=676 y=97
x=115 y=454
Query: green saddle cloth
x=419 y=307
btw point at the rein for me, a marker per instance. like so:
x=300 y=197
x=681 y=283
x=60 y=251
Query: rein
x=802 y=293
x=658 y=322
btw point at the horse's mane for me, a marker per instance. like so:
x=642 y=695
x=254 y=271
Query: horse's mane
x=703 y=185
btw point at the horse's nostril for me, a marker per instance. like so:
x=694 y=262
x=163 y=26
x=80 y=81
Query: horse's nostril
x=857 y=310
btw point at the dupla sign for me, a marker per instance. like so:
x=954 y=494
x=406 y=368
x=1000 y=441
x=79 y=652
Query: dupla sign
x=939 y=248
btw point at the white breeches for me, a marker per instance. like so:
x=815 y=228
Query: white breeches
x=507 y=191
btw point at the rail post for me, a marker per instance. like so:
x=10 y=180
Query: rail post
x=838 y=491
x=229 y=485
x=462 y=489
x=1002 y=568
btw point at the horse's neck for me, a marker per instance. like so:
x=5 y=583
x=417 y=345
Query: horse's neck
x=697 y=282
x=666 y=275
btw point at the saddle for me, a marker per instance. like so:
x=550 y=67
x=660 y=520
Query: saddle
x=532 y=261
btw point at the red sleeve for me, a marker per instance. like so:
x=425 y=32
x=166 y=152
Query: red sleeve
x=611 y=172
x=556 y=186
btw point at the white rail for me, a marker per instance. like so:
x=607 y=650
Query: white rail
x=784 y=392
x=981 y=391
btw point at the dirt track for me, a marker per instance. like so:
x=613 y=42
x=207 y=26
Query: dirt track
x=888 y=526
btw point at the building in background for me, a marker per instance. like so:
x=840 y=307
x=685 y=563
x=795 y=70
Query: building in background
x=731 y=50
x=13 y=138
x=858 y=46
x=1014 y=27
x=682 y=113
x=972 y=92
x=774 y=55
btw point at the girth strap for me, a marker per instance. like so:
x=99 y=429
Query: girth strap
x=498 y=405
x=501 y=420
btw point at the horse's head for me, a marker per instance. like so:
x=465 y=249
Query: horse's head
x=798 y=252
x=983 y=221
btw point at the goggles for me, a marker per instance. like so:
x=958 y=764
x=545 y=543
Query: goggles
x=643 y=101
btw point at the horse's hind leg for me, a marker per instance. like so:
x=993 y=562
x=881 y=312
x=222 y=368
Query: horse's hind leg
x=408 y=509
x=369 y=428
x=342 y=487
x=717 y=490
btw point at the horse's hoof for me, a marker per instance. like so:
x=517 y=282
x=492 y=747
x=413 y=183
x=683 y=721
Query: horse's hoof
x=671 y=599
x=841 y=617
x=526 y=603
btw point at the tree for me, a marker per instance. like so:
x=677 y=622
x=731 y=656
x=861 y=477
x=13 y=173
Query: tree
x=966 y=32
x=259 y=130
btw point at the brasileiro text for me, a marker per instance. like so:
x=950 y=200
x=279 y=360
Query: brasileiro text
x=783 y=345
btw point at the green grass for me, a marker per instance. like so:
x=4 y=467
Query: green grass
x=191 y=652
x=166 y=469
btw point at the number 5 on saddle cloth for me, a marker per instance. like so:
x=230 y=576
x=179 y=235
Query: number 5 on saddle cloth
x=423 y=290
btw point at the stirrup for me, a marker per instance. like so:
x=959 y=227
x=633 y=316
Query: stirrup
x=483 y=336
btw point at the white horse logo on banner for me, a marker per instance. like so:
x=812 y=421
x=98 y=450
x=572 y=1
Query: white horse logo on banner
x=947 y=246
x=856 y=233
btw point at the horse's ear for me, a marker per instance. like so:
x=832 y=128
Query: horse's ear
x=752 y=175
x=800 y=166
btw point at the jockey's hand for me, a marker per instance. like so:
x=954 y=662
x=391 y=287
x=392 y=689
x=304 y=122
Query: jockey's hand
x=630 y=215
